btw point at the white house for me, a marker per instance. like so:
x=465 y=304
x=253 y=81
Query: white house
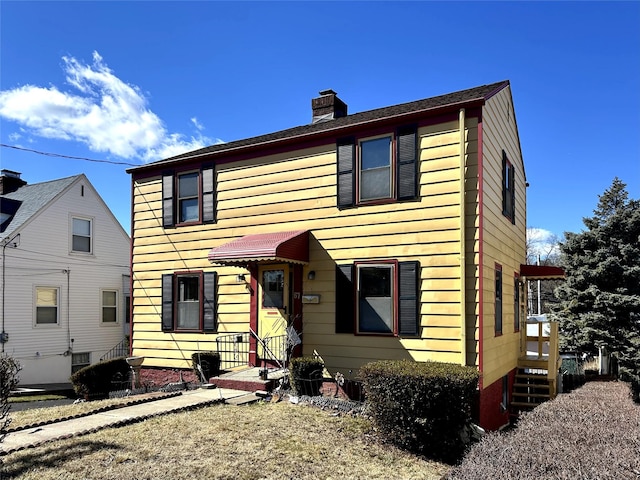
x=65 y=277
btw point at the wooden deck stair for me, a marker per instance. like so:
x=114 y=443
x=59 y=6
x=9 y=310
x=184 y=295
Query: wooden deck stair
x=536 y=379
x=530 y=390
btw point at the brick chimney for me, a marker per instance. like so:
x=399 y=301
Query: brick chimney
x=10 y=181
x=327 y=107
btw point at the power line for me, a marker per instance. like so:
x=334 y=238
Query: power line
x=49 y=154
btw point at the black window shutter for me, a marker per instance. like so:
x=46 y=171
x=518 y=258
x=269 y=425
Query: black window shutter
x=167 y=302
x=407 y=164
x=209 y=302
x=512 y=187
x=344 y=298
x=346 y=149
x=408 y=298
x=208 y=194
x=168 y=214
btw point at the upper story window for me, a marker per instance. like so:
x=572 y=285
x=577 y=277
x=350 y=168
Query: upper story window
x=189 y=302
x=378 y=298
x=378 y=169
x=81 y=235
x=109 y=306
x=46 y=306
x=375 y=175
x=508 y=189
x=188 y=197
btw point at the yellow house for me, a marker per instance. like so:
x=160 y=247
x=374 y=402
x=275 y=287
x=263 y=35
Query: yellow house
x=395 y=233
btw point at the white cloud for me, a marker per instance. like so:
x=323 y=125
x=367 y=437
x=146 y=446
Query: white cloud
x=541 y=242
x=106 y=114
x=197 y=124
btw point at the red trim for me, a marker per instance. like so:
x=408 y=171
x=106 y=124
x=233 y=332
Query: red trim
x=516 y=322
x=480 y=252
x=541 y=272
x=297 y=306
x=498 y=268
x=491 y=416
x=253 y=314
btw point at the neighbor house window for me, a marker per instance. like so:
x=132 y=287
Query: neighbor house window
x=188 y=197
x=109 y=306
x=80 y=360
x=188 y=302
x=81 y=239
x=378 y=298
x=46 y=306
x=508 y=189
x=375 y=169
x=498 y=309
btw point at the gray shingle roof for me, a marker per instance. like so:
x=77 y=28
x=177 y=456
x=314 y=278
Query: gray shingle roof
x=33 y=198
x=433 y=103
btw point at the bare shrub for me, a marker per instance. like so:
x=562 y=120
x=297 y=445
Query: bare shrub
x=591 y=433
x=9 y=369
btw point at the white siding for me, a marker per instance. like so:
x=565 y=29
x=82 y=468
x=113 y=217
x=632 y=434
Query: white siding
x=43 y=258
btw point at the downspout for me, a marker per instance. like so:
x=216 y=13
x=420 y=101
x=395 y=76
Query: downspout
x=69 y=341
x=463 y=244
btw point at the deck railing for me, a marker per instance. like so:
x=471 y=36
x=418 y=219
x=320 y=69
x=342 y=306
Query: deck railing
x=539 y=344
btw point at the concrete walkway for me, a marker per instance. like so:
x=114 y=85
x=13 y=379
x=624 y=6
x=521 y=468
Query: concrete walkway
x=36 y=436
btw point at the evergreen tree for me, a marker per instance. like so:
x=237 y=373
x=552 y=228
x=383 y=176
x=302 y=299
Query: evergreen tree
x=600 y=299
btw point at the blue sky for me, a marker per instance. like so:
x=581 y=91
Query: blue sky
x=138 y=81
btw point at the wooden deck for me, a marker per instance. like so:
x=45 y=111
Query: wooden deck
x=537 y=374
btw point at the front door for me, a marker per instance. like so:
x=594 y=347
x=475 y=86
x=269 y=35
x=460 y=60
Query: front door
x=274 y=308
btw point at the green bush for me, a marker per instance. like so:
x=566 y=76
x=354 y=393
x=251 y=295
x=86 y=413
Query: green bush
x=208 y=361
x=421 y=406
x=305 y=375
x=94 y=381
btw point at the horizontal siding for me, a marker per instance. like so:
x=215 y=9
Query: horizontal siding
x=504 y=243
x=298 y=191
x=41 y=260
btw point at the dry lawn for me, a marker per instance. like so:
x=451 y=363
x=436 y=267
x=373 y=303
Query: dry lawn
x=261 y=441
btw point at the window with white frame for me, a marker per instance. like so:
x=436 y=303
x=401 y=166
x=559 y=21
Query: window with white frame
x=46 y=305
x=375 y=289
x=82 y=235
x=376 y=174
x=80 y=360
x=109 y=299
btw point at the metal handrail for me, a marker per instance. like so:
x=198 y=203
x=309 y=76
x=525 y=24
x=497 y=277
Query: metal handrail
x=120 y=350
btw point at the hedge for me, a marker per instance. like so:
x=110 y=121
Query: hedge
x=590 y=433
x=94 y=381
x=423 y=407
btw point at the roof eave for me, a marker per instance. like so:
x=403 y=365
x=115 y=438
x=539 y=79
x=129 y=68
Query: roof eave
x=328 y=132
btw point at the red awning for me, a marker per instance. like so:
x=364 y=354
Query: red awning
x=541 y=272
x=286 y=247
